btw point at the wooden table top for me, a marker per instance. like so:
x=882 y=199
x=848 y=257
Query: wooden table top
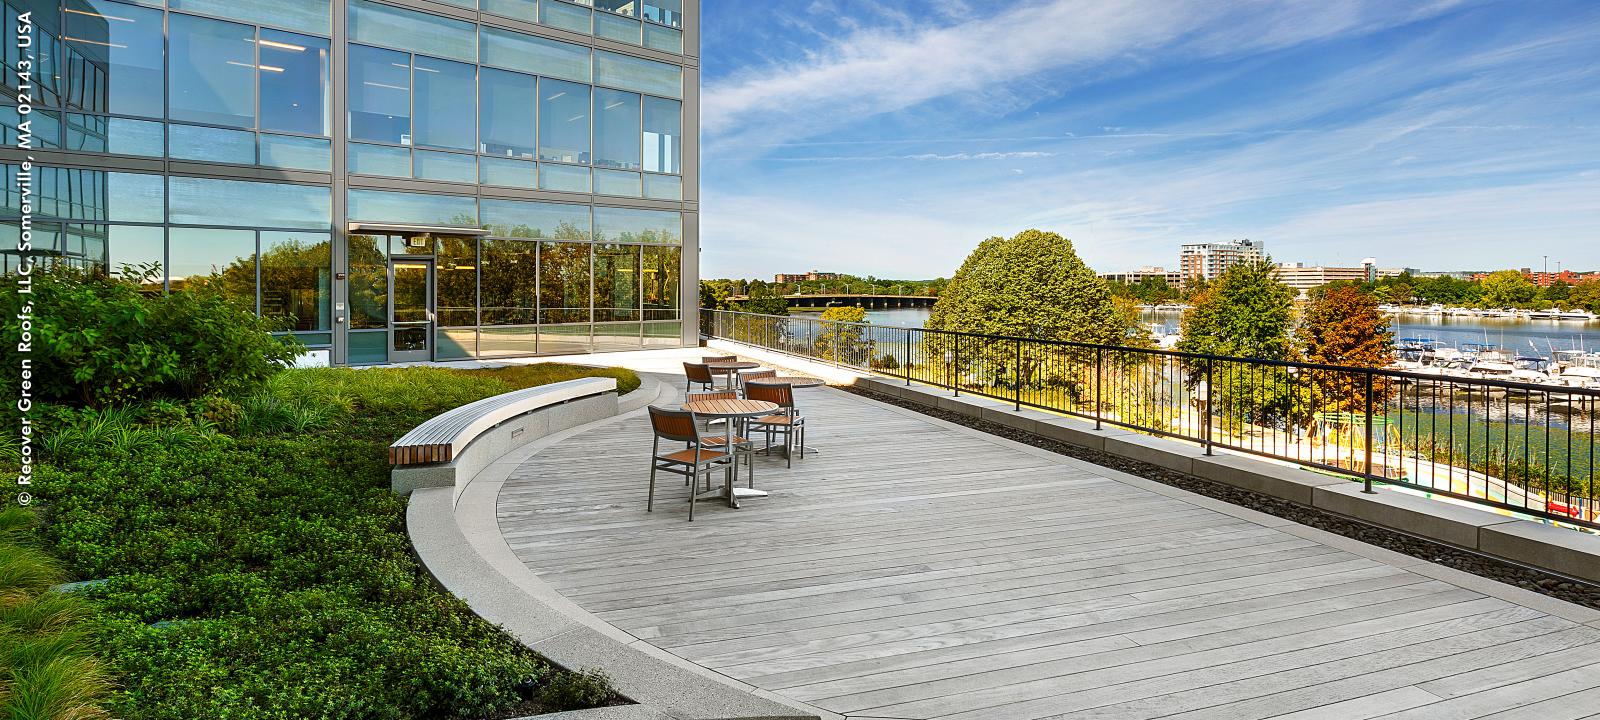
x=790 y=380
x=733 y=365
x=731 y=408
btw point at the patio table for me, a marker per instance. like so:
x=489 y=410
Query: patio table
x=732 y=411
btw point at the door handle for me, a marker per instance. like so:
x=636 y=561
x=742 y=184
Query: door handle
x=431 y=317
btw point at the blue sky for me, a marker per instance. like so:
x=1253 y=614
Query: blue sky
x=889 y=138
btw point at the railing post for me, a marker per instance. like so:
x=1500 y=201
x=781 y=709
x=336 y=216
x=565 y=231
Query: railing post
x=1205 y=412
x=907 y=363
x=1367 y=475
x=1099 y=367
x=955 y=365
x=1018 y=376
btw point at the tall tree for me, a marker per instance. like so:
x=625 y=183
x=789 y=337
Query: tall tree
x=841 y=339
x=1243 y=313
x=1031 y=285
x=1344 y=327
x=1508 y=288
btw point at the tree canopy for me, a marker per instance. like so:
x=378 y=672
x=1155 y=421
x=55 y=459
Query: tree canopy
x=1343 y=326
x=1033 y=285
x=1243 y=313
x=1508 y=288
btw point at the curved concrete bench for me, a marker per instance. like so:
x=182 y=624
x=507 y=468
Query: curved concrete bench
x=450 y=449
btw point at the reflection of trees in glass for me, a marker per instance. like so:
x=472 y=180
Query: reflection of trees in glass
x=563 y=282
x=616 y=282
x=369 y=282
x=456 y=281
x=295 y=276
x=661 y=282
x=509 y=282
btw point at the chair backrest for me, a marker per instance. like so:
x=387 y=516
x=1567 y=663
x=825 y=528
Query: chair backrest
x=676 y=425
x=697 y=372
x=719 y=358
x=713 y=395
x=783 y=395
x=744 y=380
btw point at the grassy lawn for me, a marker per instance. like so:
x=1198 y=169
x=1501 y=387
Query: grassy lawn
x=256 y=564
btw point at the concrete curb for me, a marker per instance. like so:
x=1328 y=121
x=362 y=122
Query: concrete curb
x=459 y=542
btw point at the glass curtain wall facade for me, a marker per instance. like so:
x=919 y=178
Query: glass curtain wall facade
x=428 y=179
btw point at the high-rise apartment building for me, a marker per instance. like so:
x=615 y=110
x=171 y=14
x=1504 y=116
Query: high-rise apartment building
x=401 y=179
x=1208 y=260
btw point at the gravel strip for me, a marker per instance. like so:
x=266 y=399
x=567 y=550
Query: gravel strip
x=1556 y=586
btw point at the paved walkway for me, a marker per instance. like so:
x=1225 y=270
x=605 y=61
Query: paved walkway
x=918 y=569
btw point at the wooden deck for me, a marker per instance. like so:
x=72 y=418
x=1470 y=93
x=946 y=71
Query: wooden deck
x=915 y=569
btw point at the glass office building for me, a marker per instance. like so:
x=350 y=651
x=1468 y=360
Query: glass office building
x=397 y=181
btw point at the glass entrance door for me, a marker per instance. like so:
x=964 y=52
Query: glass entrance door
x=410 y=310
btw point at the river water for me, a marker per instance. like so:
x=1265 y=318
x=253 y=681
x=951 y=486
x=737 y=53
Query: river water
x=1518 y=336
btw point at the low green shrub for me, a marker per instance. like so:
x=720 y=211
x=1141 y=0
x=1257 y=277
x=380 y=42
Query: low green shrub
x=257 y=565
x=99 y=341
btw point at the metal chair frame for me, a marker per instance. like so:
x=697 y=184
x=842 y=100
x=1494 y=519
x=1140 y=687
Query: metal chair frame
x=698 y=373
x=743 y=445
x=682 y=426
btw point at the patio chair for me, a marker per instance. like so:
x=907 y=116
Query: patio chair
x=708 y=359
x=745 y=378
x=741 y=445
x=681 y=426
x=698 y=373
x=786 y=422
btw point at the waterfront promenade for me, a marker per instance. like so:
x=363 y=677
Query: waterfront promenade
x=919 y=569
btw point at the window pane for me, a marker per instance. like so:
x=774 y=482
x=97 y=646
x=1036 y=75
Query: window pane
x=418 y=32
x=563 y=121
x=380 y=95
x=133 y=247
x=663 y=334
x=564 y=16
x=295 y=153
x=663 y=134
x=616 y=283
x=240 y=203
x=369 y=286
x=449 y=167
x=219 y=259
x=379 y=160
x=506 y=121
x=192 y=142
x=663 y=38
x=83 y=194
x=550 y=58
x=663 y=187
x=631 y=73
x=519 y=9
x=642 y=226
x=45 y=127
x=616 y=129
x=419 y=208
x=296 y=279
x=565 y=178
x=123 y=136
x=661 y=282
x=564 y=283
x=456 y=281
x=212 y=71
x=445 y=106
x=518 y=218
x=304 y=15
x=115 y=65
x=616 y=182
x=294 y=83
x=508 y=173
x=509 y=277
x=613 y=27
x=666 y=12
x=622 y=7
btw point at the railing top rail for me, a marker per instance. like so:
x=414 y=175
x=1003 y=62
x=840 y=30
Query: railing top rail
x=1203 y=357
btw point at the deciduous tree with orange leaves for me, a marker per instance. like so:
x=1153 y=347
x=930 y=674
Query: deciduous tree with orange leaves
x=1343 y=326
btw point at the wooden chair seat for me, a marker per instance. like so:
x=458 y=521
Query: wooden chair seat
x=778 y=420
x=723 y=440
x=687 y=457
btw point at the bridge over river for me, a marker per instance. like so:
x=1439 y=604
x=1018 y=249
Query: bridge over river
x=871 y=302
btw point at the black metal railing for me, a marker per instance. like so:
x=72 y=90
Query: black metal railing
x=1529 y=447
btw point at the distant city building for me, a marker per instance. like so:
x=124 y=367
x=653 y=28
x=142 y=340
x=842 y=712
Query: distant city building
x=1303 y=278
x=1208 y=260
x=1173 y=277
x=803 y=277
